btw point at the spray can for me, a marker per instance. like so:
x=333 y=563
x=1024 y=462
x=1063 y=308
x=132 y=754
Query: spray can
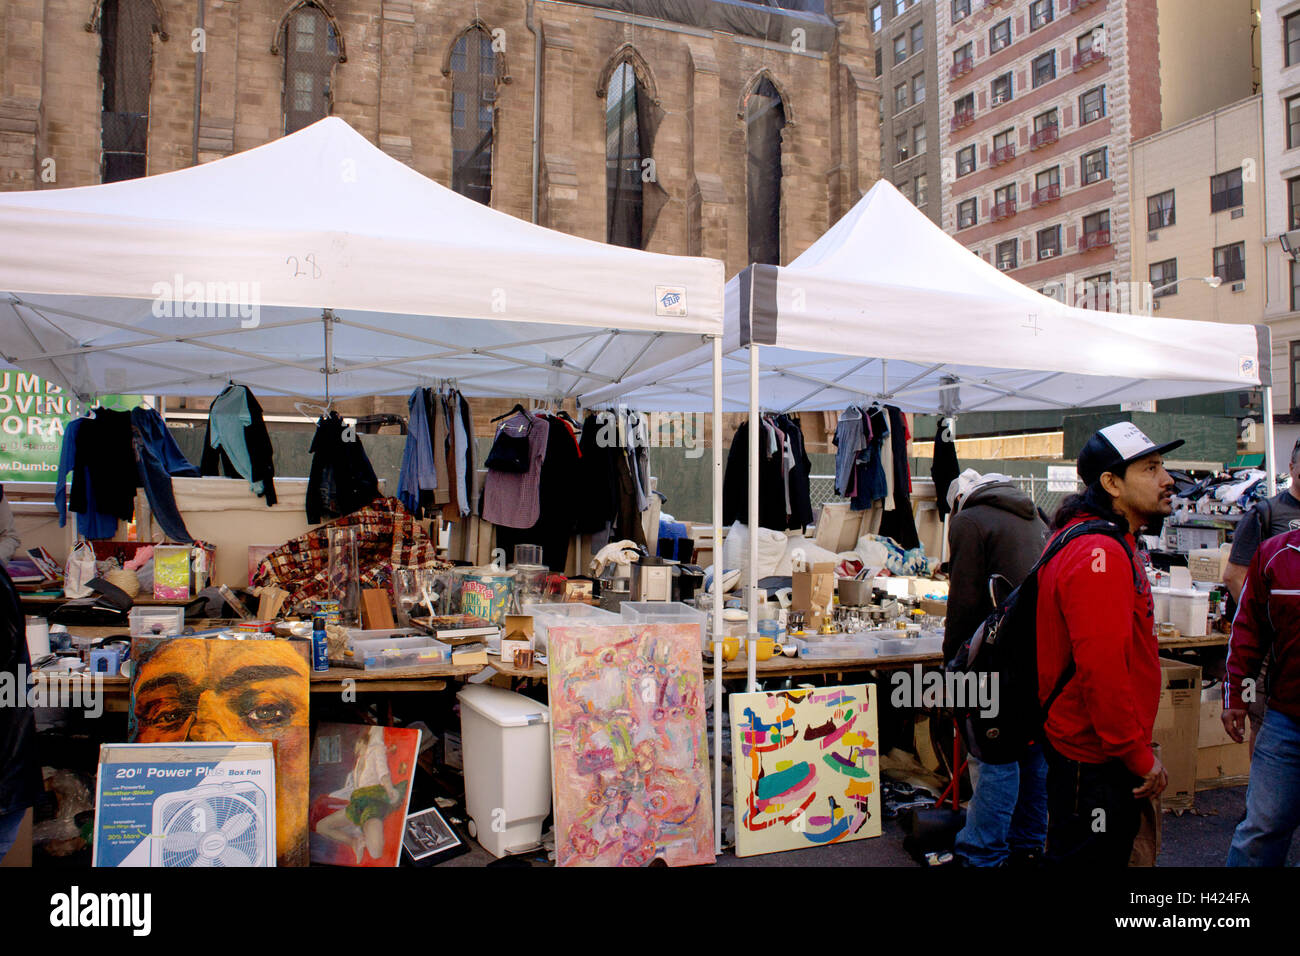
x=320 y=652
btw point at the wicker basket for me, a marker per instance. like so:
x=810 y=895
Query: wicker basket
x=124 y=579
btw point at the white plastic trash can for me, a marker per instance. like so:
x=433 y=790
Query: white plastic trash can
x=506 y=742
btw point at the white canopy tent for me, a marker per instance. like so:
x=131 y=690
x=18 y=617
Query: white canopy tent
x=318 y=265
x=885 y=305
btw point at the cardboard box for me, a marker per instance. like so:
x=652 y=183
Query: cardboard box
x=811 y=591
x=1206 y=565
x=517 y=635
x=838 y=528
x=1176 y=730
x=1211 y=732
x=1225 y=764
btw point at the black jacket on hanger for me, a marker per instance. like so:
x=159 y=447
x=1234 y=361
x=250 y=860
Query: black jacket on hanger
x=800 y=484
x=559 y=505
x=106 y=449
x=771 y=484
x=945 y=469
x=595 y=489
x=900 y=524
x=342 y=478
x=260 y=453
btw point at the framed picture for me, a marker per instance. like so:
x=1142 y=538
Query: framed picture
x=427 y=835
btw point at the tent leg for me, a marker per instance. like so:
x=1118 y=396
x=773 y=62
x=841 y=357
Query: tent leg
x=1270 y=453
x=716 y=627
x=755 y=432
x=327 y=320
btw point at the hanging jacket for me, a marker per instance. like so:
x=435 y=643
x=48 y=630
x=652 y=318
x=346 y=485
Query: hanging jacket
x=418 y=477
x=597 y=476
x=772 y=487
x=944 y=469
x=93 y=523
x=157 y=459
x=104 y=453
x=798 y=481
x=899 y=523
x=236 y=442
x=342 y=478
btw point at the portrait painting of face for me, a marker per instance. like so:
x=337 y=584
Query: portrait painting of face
x=205 y=689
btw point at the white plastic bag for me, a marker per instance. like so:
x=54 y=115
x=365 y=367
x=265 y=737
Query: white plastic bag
x=80 y=570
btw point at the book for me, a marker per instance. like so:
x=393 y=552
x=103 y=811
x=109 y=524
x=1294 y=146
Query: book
x=468 y=655
x=457 y=628
x=185 y=805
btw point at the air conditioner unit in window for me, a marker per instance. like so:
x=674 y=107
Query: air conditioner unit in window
x=1152 y=236
x=1238 y=213
x=999 y=100
x=1047 y=253
x=1239 y=287
x=1006 y=266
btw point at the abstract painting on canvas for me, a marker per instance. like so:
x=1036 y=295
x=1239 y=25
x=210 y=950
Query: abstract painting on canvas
x=805 y=768
x=629 y=752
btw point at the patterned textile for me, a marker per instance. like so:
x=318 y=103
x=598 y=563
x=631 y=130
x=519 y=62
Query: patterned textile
x=387 y=538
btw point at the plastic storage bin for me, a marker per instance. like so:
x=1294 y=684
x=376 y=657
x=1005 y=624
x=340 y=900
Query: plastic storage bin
x=841 y=648
x=1188 y=611
x=150 y=621
x=388 y=652
x=546 y=616
x=506 y=741
x=639 y=613
x=896 y=644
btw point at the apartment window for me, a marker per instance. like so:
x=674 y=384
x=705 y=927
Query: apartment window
x=1092 y=166
x=1045 y=120
x=900 y=48
x=1049 y=242
x=1293 y=204
x=1230 y=262
x=921 y=189
x=902 y=149
x=1291 y=27
x=1004 y=201
x=473 y=92
x=126 y=30
x=1040 y=14
x=1293 y=121
x=918 y=88
x=1160 y=210
x=1045 y=68
x=1001 y=89
x=1048 y=178
x=965 y=160
x=901 y=5
x=900 y=97
x=764 y=121
x=1092 y=105
x=918 y=37
x=1097 y=222
x=918 y=140
x=960 y=10
x=963 y=54
x=1006 y=254
x=1163 y=277
x=1096 y=292
x=1225 y=190
x=877 y=17
x=1295 y=304
x=880 y=63
x=966 y=213
x=1004 y=139
x=905 y=187
x=964 y=104
x=1295 y=354
x=1094 y=39
x=1000 y=36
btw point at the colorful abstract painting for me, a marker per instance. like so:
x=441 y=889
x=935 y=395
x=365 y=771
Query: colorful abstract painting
x=805 y=768
x=361 y=779
x=630 y=754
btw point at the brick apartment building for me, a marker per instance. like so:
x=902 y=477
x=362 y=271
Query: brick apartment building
x=906 y=62
x=1041 y=101
x=736 y=130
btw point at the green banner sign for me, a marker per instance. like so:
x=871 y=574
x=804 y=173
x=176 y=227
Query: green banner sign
x=34 y=414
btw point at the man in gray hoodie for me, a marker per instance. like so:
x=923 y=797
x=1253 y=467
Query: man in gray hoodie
x=994 y=537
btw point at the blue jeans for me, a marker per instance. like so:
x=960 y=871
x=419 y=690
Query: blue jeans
x=9 y=824
x=1007 y=812
x=1273 y=798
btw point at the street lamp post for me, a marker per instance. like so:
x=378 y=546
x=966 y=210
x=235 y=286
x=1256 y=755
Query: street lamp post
x=1212 y=281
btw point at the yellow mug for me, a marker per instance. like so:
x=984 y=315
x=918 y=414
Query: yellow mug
x=730 y=648
x=764 y=649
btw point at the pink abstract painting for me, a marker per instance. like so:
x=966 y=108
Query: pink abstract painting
x=630 y=752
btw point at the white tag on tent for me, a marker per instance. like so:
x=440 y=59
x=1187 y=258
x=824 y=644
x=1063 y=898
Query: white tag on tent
x=670 y=300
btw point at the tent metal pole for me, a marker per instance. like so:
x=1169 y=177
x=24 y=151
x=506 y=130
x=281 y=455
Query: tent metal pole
x=327 y=320
x=755 y=433
x=1270 y=453
x=943 y=545
x=716 y=627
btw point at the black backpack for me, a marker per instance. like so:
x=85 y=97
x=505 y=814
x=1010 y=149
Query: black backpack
x=1002 y=656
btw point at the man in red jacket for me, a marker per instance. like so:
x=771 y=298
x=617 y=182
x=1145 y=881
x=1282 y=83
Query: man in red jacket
x=1097 y=646
x=1267 y=627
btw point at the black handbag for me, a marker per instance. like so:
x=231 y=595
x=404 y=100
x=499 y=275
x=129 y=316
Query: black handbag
x=510 y=452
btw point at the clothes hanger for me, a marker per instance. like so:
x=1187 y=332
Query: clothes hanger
x=516 y=410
